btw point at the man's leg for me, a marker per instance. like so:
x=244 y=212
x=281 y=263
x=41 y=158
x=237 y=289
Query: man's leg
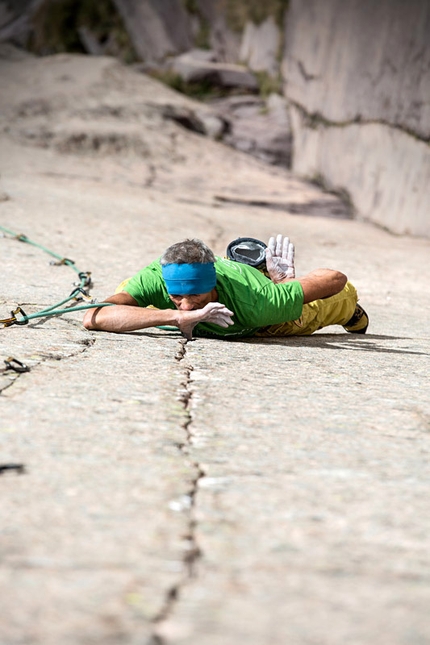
x=336 y=310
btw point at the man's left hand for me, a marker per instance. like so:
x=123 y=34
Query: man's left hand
x=280 y=259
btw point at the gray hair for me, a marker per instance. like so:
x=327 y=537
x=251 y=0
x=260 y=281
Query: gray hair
x=188 y=252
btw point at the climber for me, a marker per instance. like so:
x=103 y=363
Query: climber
x=208 y=296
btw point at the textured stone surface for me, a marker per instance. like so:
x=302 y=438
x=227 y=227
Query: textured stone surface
x=385 y=171
x=192 y=70
x=309 y=489
x=260 y=46
x=257 y=126
x=358 y=76
x=222 y=39
x=348 y=60
x=209 y=492
x=156 y=27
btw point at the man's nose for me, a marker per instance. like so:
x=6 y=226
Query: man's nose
x=186 y=305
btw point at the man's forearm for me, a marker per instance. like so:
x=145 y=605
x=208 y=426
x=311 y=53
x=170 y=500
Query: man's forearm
x=322 y=283
x=122 y=318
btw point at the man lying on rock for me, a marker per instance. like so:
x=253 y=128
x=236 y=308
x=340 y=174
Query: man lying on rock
x=224 y=298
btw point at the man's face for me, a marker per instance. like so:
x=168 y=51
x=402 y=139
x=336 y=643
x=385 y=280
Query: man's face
x=193 y=301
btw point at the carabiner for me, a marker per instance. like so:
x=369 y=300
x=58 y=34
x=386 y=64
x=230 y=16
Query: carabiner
x=16 y=365
x=7 y=322
x=83 y=292
x=86 y=277
x=58 y=263
x=19 y=310
x=21 y=237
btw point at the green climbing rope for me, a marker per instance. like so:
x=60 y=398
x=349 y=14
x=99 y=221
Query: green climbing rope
x=81 y=291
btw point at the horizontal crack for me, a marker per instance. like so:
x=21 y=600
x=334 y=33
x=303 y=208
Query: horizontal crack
x=314 y=119
x=332 y=208
x=13 y=376
x=19 y=469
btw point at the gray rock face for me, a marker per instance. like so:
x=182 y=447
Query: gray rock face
x=358 y=75
x=192 y=69
x=211 y=492
x=223 y=40
x=157 y=27
x=355 y=73
x=6 y=14
x=260 y=45
x=14 y=20
x=258 y=127
x=362 y=60
x=386 y=172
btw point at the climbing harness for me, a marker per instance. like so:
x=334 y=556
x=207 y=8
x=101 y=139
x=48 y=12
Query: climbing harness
x=80 y=292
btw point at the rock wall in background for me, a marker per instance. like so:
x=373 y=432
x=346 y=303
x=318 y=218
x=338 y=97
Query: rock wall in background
x=14 y=20
x=357 y=76
x=355 y=73
x=157 y=28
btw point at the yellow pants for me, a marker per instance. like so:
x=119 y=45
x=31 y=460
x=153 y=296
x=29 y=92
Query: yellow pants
x=336 y=310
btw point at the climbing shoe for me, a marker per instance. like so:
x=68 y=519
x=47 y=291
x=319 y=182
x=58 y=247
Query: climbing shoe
x=248 y=250
x=359 y=322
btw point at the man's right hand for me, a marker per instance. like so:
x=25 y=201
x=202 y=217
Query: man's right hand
x=214 y=312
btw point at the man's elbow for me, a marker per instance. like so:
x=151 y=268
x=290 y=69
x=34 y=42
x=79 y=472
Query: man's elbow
x=322 y=283
x=341 y=279
x=89 y=320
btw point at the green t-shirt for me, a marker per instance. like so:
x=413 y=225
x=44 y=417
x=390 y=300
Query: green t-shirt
x=255 y=300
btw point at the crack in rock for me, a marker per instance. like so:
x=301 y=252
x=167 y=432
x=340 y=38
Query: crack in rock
x=313 y=120
x=10 y=377
x=193 y=552
x=306 y=75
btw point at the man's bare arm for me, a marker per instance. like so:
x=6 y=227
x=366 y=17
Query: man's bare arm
x=321 y=283
x=128 y=316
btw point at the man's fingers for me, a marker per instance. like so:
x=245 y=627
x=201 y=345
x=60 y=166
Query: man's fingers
x=218 y=314
x=217 y=307
x=221 y=322
x=221 y=319
x=290 y=254
x=285 y=248
x=272 y=245
x=279 y=240
x=188 y=331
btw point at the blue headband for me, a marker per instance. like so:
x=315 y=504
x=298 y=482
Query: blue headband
x=186 y=279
